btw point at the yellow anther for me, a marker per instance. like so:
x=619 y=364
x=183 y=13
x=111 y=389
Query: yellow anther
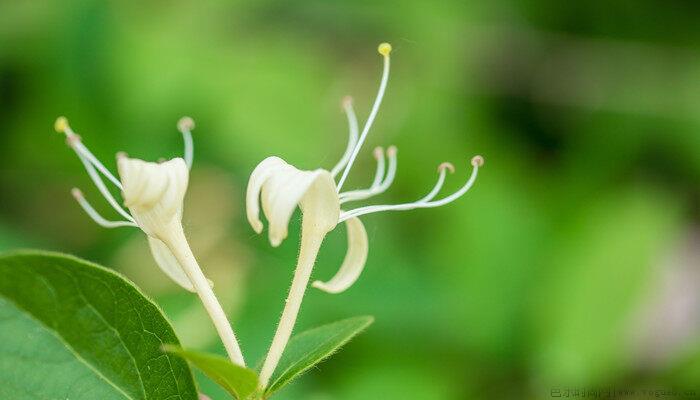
x=384 y=49
x=61 y=124
x=477 y=161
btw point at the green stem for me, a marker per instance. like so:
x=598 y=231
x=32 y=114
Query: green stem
x=311 y=239
x=177 y=243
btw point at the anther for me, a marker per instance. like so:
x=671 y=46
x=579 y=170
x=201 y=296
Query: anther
x=477 y=161
x=446 y=166
x=378 y=152
x=77 y=194
x=346 y=102
x=185 y=124
x=61 y=124
x=384 y=49
x=391 y=151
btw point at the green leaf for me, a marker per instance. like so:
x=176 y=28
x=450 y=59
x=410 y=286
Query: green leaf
x=241 y=382
x=313 y=346
x=70 y=329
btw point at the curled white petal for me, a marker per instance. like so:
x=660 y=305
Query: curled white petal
x=154 y=192
x=354 y=261
x=257 y=178
x=169 y=264
x=280 y=188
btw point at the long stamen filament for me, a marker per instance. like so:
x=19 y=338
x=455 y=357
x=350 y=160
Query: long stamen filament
x=378 y=177
x=381 y=165
x=92 y=213
x=384 y=49
x=377 y=187
x=442 y=170
x=353 y=132
x=185 y=125
x=81 y=149
x=391 y=173
x=476 y=162
x=61 y=125
x=103 y=188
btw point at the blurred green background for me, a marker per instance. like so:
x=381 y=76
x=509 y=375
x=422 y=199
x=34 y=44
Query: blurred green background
x=574 y=263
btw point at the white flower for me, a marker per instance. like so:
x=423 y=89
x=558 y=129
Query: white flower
x=153 y=192
x=283 y=187
x=280 y=187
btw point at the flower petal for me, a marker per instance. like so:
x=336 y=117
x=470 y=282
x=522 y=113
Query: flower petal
x=281 y=187
x=354 y=261
x=168 y=263
x=154 y=192
x=255 y=184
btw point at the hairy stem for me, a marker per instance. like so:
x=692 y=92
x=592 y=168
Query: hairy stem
x=177 y=243
x=311 y=239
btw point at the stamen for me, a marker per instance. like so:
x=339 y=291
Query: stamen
x=378 y=176
x=378 y=186
x=425 y=202
x=477 y=161
x=102 y=188
x=378 y=154
x=61 y=125
x=186 y=125
x=442 y=170
x=352 y=135
x=384 y=49
x=90 y=211
x=391 y=173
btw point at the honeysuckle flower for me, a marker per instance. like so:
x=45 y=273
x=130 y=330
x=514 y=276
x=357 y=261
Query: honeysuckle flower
x=281 y=187
x=154 y=194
